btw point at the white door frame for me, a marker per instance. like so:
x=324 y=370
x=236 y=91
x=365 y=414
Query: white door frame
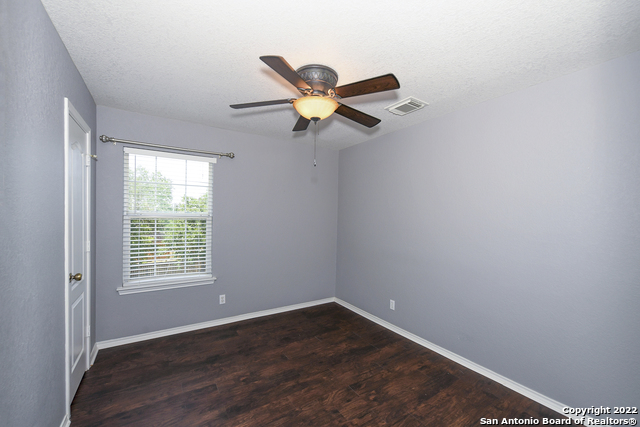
x=71 y=112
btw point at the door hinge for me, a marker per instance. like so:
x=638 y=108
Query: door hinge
x=88 y=247
x=87 y=160
x=88 y=334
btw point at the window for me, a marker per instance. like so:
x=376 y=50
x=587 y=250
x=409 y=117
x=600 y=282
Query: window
x=167 y=220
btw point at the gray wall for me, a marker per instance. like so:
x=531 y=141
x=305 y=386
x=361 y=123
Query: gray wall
x=36 y=74
x=509 y=233
x=274 y=228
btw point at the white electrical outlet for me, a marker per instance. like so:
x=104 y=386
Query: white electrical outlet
x=392 y=304
x=223 y=299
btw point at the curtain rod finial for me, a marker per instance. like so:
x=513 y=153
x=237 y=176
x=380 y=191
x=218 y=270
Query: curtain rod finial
x=105 y=138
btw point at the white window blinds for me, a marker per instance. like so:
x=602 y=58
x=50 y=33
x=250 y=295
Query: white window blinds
x=167 y=221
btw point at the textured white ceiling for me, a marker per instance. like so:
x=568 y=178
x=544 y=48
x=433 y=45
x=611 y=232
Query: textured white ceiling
x=189 y=60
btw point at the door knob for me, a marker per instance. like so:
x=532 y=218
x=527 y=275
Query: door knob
x=77 y=276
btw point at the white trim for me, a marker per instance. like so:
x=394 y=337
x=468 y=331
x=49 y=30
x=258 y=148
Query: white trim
x=94 y=354
x=66 y=422
x=138 y=260
x=174 y=279
x=519 y=388
x=136 y=289
x=67 y=371
x=193 y=327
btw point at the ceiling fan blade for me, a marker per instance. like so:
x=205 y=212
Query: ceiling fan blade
x=357 y=116
x=373 y=85
x=262 y=103
x=301 y=124
x=282 y=67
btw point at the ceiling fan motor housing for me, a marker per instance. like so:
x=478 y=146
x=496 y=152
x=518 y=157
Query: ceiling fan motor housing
x=319 y=77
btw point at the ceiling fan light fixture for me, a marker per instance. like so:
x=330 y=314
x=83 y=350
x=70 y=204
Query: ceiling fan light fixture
x=314 y=106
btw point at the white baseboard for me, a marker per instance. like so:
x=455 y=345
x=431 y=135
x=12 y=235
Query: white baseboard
x=193 y=327
x=66 y=422
x=94 y=354
x=519 y=388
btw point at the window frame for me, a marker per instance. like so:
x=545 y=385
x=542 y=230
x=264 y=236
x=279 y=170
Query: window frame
x=174 y=281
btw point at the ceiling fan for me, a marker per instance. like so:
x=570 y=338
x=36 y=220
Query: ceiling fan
x=320 y=96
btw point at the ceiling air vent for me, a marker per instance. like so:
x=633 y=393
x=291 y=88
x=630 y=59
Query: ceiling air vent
x=406 y=106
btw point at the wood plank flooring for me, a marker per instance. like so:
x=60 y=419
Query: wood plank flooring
x=320 y=366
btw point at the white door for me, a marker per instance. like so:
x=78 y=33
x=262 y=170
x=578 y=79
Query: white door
x=77 y=194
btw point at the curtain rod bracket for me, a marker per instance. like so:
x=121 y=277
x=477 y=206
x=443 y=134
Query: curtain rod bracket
x=105 y=138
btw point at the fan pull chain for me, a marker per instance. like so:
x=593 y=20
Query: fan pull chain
x=315 y=140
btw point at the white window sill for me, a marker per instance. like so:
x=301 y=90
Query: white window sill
x=156 y=285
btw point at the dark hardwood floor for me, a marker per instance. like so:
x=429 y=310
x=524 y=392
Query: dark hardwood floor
x=320 y=366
